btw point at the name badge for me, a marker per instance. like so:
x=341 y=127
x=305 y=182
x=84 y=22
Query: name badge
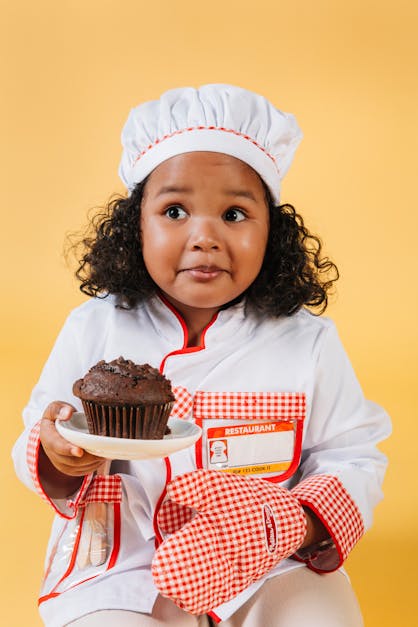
x=250 y=433
x=254 y=448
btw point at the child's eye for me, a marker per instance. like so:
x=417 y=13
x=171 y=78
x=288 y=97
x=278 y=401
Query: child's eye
x=175 y=212
x=234 y=215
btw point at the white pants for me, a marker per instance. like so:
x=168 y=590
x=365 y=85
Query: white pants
x=299 y=597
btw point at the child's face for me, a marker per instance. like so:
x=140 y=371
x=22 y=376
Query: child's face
x=204 y=229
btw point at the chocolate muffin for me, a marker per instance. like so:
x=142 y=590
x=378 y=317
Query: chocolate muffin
x=125 y=400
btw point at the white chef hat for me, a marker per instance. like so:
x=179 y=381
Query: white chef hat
x=215 y=118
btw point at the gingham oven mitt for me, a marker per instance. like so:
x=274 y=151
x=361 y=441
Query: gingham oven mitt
x=226 y=532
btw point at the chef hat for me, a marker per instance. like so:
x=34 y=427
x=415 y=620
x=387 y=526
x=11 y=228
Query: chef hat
x=215 y=118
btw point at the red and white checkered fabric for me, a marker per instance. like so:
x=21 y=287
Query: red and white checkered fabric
x=242 y=528
x=104 y=489
x=32 y=456
x=32 y=453
x=239 y=405
x=172 y=516
x=249 y=405
x=184 y=402
x=326 y=496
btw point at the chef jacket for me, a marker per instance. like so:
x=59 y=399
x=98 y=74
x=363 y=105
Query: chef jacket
x=276 y=398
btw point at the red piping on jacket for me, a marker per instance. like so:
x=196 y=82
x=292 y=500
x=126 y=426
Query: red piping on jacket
x=112 y=560
x=214 y=617
x=158 y=536
x=182 y=351
x=296 y=455
x=185 y=349
x=32 y=460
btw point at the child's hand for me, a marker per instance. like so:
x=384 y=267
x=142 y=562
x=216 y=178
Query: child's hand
x=64 y=456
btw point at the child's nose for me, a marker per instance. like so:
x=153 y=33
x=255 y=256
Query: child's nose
x=205 y=236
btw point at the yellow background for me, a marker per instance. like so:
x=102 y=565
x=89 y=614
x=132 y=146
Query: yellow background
x=72 y=69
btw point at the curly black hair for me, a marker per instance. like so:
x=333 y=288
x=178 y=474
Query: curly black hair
x=293 y=274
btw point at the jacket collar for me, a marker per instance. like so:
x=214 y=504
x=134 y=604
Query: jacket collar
x=233 y=322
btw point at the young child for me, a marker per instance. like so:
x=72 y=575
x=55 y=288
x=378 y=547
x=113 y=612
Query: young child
x=201 y=272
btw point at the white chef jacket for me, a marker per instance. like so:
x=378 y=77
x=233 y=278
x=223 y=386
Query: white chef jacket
x=244 y=356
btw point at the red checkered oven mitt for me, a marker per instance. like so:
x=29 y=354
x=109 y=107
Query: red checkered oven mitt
x=242 y=527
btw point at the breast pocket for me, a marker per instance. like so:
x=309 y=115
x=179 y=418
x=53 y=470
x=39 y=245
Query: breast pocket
x=250 y=433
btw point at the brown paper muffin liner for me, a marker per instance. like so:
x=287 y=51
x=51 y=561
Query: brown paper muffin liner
x=141 y=422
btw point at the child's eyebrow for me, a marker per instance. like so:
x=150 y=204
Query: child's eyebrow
x=240 y=192
x=169 y=189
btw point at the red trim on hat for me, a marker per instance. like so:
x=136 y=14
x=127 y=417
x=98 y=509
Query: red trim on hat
x=205 y=128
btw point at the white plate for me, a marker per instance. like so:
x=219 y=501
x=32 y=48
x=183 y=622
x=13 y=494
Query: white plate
x=183 y=434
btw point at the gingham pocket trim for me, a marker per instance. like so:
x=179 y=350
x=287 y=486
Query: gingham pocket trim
x=184 y=402
x=104 y=489
x=239 y=405
x=249 y=405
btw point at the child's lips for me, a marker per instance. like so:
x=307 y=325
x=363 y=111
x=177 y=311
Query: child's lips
x=204 y=273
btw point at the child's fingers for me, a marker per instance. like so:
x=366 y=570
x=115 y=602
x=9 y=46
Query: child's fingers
x=58 y=410
x=68 y=466
x=62 y=454
x=53 y=441
x=66 y=457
